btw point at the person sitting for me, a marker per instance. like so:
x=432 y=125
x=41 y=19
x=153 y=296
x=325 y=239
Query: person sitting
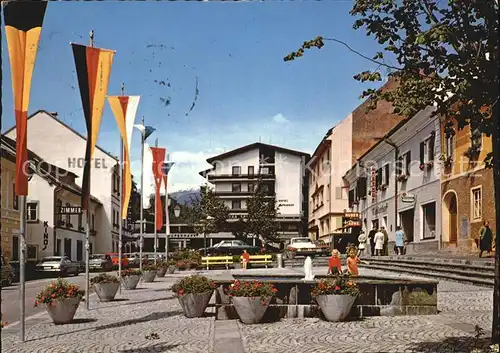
x=334 y=264
x=245 y=258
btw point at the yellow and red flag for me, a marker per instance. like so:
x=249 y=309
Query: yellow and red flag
x=93 y=68
x=23 y=25
x=125 y=108
x=158 y=157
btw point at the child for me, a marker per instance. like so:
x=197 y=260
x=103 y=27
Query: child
x=334 y=265
x=245 y=258
x=352 y=263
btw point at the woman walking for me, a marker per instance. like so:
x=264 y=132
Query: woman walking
x=379 y=243
x=485 y=238
x=362 y=244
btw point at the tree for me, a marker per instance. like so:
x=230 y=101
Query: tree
x=262 y=212
x=447 y=55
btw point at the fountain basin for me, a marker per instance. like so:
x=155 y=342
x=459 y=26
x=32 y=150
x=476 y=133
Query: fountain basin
x=379 y=297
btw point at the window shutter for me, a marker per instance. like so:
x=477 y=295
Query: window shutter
x=378 y=178
x=408 y=162
x=338 y=193
x=422 y=152
x=386 y=181
x=362 y=187
x=431 y=147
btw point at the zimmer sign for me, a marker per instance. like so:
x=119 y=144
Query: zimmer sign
x=70 y=210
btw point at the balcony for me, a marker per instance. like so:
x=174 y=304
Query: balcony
x=231 y=177
x=237 y=194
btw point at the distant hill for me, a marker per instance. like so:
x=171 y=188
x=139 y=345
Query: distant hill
x=184 y=196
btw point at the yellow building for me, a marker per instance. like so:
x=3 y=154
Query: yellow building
x=9 y=207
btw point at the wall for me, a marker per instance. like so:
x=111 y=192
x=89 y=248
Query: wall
x=243 y=160
x=289 y=181
x=9 y=216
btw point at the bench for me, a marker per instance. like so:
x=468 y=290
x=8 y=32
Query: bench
x=217 y=260
x=260 y=259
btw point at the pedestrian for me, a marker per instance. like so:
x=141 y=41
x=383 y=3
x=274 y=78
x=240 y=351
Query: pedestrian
x=386 y=241
x=379 y=242
x=245 y=258
x=371 y=237
x=400 y=238
x=485 y=238
x=334 y=264
x=362 y=244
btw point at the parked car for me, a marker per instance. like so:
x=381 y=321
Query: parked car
x=115 y=260
x=300 y=247
x=100 y=262
x=230 y=247
x=60 y=265
x=133 y=259
x=322 y=248
x=7 y=273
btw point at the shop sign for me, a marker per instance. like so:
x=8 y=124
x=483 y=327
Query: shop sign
x=45 y=235
x=373 y=183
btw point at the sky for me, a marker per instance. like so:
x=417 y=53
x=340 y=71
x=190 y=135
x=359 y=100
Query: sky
x=232 y=51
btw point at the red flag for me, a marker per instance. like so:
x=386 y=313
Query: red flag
x=158 y=157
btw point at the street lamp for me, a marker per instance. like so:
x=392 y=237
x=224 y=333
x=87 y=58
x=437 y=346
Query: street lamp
x=208 y=218
x=177 y=210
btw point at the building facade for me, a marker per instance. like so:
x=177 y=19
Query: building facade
x=467 y=190
x=334 y=156
x=284 y=176
x=397 y=182
x=65 y=148
x=9 y=206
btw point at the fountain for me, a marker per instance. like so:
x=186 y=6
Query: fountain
x=308 y=272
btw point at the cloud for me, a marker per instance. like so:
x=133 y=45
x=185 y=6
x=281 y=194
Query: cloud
x=280 y=119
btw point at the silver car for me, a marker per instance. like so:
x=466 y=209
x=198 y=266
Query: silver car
x=100 y=263
x=60 y=265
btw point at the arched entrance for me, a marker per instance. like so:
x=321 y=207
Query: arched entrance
x=450 y=218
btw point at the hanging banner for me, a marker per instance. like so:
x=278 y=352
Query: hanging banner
x=93 y=68
x=23 y=25
x=158 y=157
x=125 y=108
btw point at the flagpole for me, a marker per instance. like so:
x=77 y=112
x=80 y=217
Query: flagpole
x=157 y=193
x=167 y=220
x=120 y=226
x=87 y=232
x=22 y=259
x=141 y=222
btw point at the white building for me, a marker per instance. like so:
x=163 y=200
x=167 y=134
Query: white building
x=65 y=148
x=48 y=232
x=409 y=154
x=283 y=172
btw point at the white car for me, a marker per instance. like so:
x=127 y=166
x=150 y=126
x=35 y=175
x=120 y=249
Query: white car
x=300 y=247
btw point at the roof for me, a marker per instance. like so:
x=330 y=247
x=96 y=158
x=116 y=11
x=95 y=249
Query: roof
x=9 y=145
x=66 y=126
x=252 y=146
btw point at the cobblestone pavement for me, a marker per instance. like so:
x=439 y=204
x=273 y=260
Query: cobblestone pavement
x=122 y=326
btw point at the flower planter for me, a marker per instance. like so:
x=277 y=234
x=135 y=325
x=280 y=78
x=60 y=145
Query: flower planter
x=335 y=307
x=148 y=276
x=62 y=311
x=161 y=272
x=250 y=310
x=130 y=282
x=194 y=304
x=106 y=291
x=171 y=269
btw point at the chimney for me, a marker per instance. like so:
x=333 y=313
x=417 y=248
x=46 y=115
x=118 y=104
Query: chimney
x=54 y=114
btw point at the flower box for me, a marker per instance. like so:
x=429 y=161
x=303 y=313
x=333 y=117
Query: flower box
x=251 y=299
x=335 y=297
x=194 y=293
x=61 y=300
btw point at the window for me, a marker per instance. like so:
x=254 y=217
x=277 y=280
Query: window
x=236 y=187
x=15 y=248
x=79 y=250
x=405 y=166
x=250 y=170
x=14 y=197
x=68 y=217
x=80 y=221
x=264 y=170
x=429 y=219
x=361 y=186
x=339 y=193
x=351 y=197
x=236 y=170
x=476 y=138
x=251 y=187
x=477 y=203
x=92 y=223
x=449 y=147
x=236 y=205
x=32 y=211
x=427 y=150
x=58 y=247
x=59 y=216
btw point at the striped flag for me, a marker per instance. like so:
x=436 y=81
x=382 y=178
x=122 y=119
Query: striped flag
x=158 y=157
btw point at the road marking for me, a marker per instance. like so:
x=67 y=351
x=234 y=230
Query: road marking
x=34 y=316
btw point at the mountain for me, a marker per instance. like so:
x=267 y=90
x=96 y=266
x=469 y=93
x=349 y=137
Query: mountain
x=184 y=196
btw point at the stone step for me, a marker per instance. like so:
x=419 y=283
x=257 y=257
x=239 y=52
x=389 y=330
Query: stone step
x=484 y=262
x=451 y=276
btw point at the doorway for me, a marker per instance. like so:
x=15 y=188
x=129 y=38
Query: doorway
x=406 y=220
x=450 y=217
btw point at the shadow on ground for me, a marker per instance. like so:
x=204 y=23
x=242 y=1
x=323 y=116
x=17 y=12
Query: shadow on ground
x=451 y=345
x=150 y=317
x=159 y=347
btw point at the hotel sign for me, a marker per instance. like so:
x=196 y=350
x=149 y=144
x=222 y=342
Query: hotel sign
x=352 y=219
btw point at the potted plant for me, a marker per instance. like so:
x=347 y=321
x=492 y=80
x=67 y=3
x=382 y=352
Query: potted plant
x=402 y=178
x=105 y=286
x=130 y=278
x=335 y=297
x=162 y=269
x=251 y=299
x=61 y=300
x=194 y=293
x=171 y=266
x=149 y=273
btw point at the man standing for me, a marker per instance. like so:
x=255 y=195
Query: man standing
x=385 y=251
x=371 y=237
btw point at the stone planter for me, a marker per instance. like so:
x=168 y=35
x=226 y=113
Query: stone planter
x=106 y=291
x=250 y=310
x=148 y=276
x=63 y=311
x=335 y=307
x=194 y=304
x=171 y=269
x=130 y=282
x=161 y=272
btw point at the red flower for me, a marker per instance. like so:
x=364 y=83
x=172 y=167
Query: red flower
x=337 y=288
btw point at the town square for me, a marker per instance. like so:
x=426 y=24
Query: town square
x=250 y=176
